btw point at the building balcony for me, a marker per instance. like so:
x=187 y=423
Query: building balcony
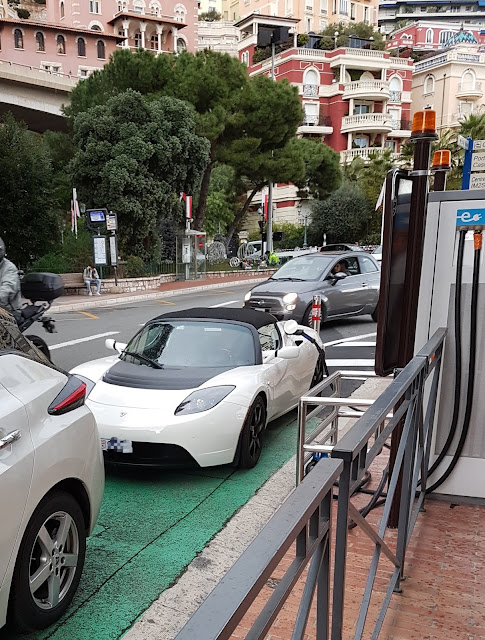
x=320 y=125
x=310 y=90
x=373 y=122
x=400 y=128
x=470 y=90
x=395 y=96
x=366 y=89
x=362 y=152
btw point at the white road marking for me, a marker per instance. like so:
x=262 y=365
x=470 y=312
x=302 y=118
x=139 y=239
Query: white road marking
x=355 y=344
x=222 y=304
x=351 y=363
x=355 y=338
x=78 y=340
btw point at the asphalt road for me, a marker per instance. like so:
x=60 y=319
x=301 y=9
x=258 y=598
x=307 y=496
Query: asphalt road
x=153 y=523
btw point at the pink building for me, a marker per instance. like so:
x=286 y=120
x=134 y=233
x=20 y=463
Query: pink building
x=356 y=100
x=79 y=37
x=430 y=36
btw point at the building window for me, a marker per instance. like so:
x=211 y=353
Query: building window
x=81 y=47
x=181 y=45
x=245 y=58
x=61 y=9
x=334 y=6
x=61 y=45
x=428 y=84
x=366 y=15
x=429 y=36
x=344 y=7
x=40 y=42
x=138 y=40
x=445 y=36
x=122 y=6
x=154 y=42
x=360 y=109
x=180 y=12
x=390 y=144
x=94 y=6
x=308 y=24
x=352 y=10
x=101 y=50
x=468 y=79
x=155 y=9
x=18 y=39
x=360 y=141
x=50 y=68
x=139 y=7
x=95 y=27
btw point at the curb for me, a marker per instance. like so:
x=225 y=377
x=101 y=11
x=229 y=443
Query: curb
x=110 y=302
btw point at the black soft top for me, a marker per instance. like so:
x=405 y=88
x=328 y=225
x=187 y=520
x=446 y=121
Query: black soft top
x=257 y=319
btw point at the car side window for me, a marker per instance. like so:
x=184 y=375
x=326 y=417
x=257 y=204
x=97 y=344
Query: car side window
x=367 y=265
x=353 y=266
x=269 y=338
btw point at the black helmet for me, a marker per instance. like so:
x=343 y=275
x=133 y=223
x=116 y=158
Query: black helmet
x=2 y=250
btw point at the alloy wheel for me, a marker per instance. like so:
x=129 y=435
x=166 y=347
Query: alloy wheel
x=256 y=427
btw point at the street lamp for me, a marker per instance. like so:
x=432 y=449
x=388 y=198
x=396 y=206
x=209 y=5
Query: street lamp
x=304 y=216
x=335 y=36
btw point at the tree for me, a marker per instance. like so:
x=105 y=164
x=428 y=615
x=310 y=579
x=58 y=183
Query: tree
x=27 y=223
x=473 y=126
x=135 y=156
x=222 y=200
x=210 y=16
x=343 y=216
x=322 y=173
x=358 y=29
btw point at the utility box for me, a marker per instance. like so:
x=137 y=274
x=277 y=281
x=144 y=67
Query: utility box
x=191 y=255
x=448 y=213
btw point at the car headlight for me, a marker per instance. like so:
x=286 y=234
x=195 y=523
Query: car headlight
x=203 y=400
x=290 y=298
x=247 y=296
x=89 y=383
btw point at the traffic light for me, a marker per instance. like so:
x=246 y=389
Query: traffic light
x=261 y=225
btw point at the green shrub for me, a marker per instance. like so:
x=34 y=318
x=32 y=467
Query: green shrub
x=23 y=14
x=371 y=239
x=70 y=257
x=303 y=39
x=135 y=267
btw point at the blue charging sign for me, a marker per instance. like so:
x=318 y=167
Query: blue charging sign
x=470 y=217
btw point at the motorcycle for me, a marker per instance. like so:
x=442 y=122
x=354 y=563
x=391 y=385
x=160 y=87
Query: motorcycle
x=41 y=289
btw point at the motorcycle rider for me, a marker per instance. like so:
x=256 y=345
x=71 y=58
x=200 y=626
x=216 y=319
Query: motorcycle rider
x=10 y=297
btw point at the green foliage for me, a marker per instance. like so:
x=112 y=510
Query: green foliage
x=27 y=223
x=343 y=216
x=302 y=39
x=134 y=267
x=221 y=201
x=292 y=235
x=70 y=257
x=134 y=156
x=358 y=29
x=322 y=173
x=60 y=149
x=210 y=16
x=473 y=126
x=371 y=240
x=23 y=14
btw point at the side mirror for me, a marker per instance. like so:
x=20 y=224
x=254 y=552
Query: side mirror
x=288 y=353
x=291 y=327
x=116 y=346
x=338 y=276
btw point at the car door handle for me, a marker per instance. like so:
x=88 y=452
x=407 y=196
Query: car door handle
x=364 y=284
x=10 y=438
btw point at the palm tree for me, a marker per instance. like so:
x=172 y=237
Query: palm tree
x=473 y=126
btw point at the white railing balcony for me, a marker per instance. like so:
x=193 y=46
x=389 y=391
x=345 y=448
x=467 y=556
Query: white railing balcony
x=469 y=90
x=395 y=96
x=316 y=124
x=310 y=90
x=362 y=152
x=370 y=89
x=378 y=122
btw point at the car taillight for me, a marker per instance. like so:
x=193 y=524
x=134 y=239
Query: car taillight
x=71 y=397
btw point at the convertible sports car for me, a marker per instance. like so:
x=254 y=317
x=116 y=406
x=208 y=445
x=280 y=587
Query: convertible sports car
x=199 y=386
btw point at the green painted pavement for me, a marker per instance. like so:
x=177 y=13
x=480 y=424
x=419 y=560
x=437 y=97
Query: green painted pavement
x=152 y=525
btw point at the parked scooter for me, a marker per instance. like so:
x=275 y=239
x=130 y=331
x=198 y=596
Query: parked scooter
x=41 y=289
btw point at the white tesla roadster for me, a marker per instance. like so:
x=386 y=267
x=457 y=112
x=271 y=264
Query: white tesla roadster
x=199 y=386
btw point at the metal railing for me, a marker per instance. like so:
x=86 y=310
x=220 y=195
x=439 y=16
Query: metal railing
x=365 y=120
x=395 y=96
x=310 y=90
x=316 y=121
x=306 y=516
x=472 y=87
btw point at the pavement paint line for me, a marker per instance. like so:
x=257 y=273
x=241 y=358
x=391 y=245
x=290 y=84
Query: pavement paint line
x=222 y=304
x=353 y=339
x=223 y=291
x=70 y=343
x=89 y=315
x=165 y=301
x=350 y=363
x=171 y=517
x=355 y=344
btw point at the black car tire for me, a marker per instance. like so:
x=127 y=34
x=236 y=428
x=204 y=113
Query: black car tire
x=40 y=344
x=250 y=443
x=307 y=316
x=25 y=613
x=319 y=371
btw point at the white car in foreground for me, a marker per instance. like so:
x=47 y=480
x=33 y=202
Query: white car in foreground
x=51 y=482
x=199 y=386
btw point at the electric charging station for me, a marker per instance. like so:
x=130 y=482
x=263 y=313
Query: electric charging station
x=452 y=215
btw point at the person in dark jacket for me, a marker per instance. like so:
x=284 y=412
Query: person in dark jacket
x=10 y=297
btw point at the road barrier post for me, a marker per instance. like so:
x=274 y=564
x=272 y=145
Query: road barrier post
x=316 y=313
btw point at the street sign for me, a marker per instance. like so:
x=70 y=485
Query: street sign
x=470 y=217
x=478 y=162
x=478 y=145
x=463 y=142
x=99 y=250
x=113 y=251
x=477 y=181
x=111 y=221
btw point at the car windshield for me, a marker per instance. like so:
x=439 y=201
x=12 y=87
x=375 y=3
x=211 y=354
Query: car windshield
x=190 y=343
x=309 y=267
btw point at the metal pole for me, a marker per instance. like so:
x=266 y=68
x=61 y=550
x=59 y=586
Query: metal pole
x=305 y=219
x=467 y=165
x=440 y=180
x=269 y=226
x=316 y=313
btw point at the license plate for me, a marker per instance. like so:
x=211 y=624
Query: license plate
x=115 y=444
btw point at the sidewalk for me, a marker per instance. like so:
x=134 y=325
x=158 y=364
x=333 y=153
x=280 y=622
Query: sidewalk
x=165 y=290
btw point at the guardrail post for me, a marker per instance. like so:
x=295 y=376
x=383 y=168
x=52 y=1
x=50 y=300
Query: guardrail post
x=316 y=313
x=340 y=551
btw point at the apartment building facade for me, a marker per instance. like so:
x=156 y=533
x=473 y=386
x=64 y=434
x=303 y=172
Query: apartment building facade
x=393 y=15
x=424 y=36
x=451 y=82
x=356 y=100
x=220 y=35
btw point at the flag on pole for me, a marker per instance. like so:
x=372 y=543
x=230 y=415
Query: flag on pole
x=188 y=205
x=380 y=199
x=264 y=204
x=75 y=213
